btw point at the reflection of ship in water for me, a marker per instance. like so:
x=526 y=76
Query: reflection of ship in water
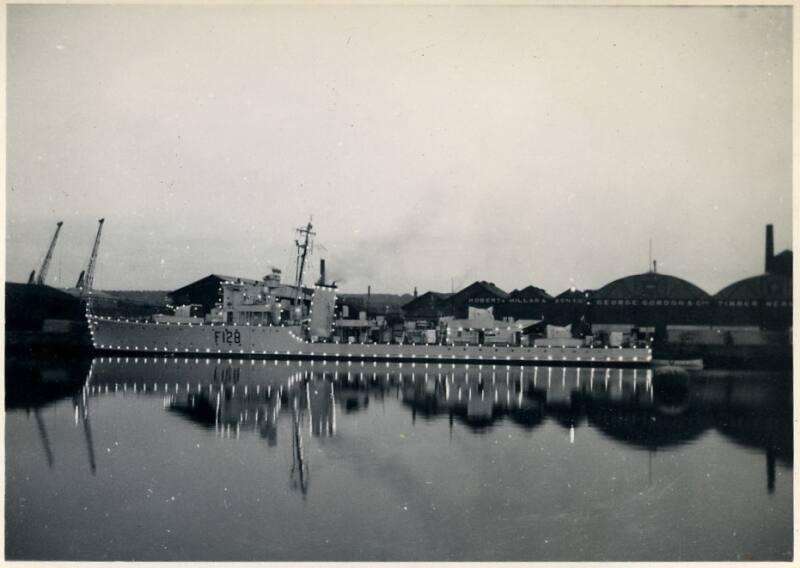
x=635 y=407
x=638 y=408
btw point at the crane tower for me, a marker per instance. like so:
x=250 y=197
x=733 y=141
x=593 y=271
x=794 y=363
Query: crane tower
x=87 y=277
x=39 y=281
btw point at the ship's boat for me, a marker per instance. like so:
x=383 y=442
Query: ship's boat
x=687 y=364
x=265 y=318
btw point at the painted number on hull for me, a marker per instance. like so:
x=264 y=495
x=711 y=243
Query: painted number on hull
x=227 y=337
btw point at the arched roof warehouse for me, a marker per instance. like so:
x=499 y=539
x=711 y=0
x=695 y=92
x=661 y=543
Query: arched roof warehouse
x=650 y=286
x=767 y=287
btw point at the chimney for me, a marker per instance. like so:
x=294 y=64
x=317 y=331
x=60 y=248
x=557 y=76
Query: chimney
x=770 y=252
x=322 y=272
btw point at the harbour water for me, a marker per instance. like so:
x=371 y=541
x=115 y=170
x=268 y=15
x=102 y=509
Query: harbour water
x=200 y=459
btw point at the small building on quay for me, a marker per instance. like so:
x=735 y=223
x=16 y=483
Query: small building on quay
x=368 y=318
x=361 y=326
x=481 y=328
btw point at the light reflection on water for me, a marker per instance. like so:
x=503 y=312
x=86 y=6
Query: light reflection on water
x=151 y=459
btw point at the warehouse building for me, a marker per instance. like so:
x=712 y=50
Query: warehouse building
x=428 y=307
x=650 y=299
x=570 y=307
x=530 y=302
x=431 y=306
x=763 y=301
x=479 y=294
x=644 y=304
x=751 y=319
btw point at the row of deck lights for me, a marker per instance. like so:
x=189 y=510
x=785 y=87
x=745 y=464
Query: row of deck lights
x=334 y=355
x=178 y=323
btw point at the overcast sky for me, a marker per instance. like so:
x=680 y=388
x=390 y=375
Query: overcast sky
x=520 y=145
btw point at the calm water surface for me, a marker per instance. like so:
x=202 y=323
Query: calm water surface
x=164 y=459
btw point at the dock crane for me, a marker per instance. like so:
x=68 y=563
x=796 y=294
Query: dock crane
x=39 y=280
x=87 y=276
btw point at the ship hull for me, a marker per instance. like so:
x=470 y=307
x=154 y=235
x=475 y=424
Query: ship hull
x=265 y=341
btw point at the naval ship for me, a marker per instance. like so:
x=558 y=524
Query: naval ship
x=252 y=321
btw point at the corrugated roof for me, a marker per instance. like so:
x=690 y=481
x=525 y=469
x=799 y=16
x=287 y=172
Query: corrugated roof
x=530 y=292
x=574 y=294
x=764 y=287
x=488 y=286
x=650 y=285
x=427 y=300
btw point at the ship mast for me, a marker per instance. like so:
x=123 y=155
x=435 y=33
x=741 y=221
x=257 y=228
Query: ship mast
x=304 y=245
